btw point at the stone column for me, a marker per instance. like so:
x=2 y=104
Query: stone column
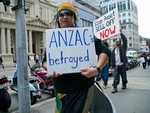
x=27 y=44
x=44 y=39
x=30 y=42
x=38 y=43
x=8 y=41
x=3 y=41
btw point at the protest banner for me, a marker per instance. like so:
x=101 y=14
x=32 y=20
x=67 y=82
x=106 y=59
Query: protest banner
x=144 y=48
x=70 y=49
x=107 y=25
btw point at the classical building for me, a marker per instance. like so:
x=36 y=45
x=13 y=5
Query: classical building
x=39 y=16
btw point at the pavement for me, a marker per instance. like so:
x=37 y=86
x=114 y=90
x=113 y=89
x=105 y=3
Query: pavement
x=7 y=69
x=47 y=106
x=138 y=78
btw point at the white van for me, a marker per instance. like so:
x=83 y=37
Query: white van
x=131 y=53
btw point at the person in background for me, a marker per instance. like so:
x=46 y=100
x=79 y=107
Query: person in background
x=135 y=55
x=148 y=58
x=118 y=63
x=144 y=61
x=74 y=91
x=1 y=62
x=37 y=59
x=29 y=59
x=104 y=73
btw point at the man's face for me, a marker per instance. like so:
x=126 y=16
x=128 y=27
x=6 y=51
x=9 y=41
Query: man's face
x=118 y=42
x=66 y=18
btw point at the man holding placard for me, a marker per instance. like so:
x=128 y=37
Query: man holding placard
x=118 y=63
x=69 y=61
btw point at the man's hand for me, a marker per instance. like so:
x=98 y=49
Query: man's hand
x=55 y=74
x=89 y=72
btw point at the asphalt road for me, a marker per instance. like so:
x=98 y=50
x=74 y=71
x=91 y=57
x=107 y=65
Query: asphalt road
x=136 y=98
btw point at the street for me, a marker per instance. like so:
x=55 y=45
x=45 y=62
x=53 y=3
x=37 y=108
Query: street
x=135 y=99
x=14 y=96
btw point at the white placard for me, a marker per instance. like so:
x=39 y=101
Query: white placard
x=144 y=48
x=107 y=25
x=70 y=49
x=142 y=59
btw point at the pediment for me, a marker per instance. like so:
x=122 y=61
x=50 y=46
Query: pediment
x=45 y=1
x=37 y=22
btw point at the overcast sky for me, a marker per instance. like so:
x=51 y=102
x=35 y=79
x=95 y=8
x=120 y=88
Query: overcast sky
x=144 y=17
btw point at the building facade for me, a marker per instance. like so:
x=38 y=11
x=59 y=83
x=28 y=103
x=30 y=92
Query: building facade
x=39 y=16
x=128 y=17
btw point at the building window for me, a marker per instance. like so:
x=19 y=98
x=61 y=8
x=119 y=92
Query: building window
x=110 y=8
x=118 y=6
x=41 y=12
x=119 y=15
x=104 y=10
x=129 y=14
x=85 y=23
x=114 y=5
x=121 y=7
x=132 y=7
x=120 y=21
x=130 y=44
x=129 y=38
x=129 y=20
x=123 y=14
x=133 y=27
x=124 y=5
x=81 y=22
x=124 y=21
x=124 y=27
x=129 y=26
x=129 y=4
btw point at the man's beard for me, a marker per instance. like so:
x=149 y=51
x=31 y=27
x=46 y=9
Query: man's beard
x=118 y=45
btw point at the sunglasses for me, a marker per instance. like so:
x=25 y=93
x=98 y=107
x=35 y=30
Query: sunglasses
x=62 y=14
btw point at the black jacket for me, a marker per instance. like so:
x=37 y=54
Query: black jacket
x=122 y=50
x=1 y=60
